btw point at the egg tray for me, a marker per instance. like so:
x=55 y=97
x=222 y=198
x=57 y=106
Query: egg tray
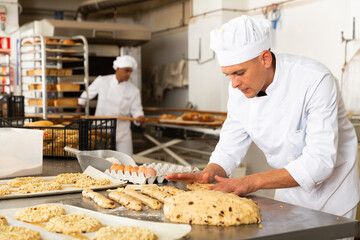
x=162 y=169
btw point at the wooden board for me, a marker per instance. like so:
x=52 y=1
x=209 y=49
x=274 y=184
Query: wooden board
x=193 y=123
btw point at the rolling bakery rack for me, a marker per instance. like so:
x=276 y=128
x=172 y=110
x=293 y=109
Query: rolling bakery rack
x=51 y=88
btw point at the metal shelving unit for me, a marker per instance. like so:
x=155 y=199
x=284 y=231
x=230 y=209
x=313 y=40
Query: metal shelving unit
x=5 y=84
x=42 y=61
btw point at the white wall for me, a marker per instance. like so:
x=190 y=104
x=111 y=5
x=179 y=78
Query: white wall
x=169 y=43
x=307 y=28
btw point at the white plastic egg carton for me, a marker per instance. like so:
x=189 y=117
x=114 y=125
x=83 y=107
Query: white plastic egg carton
x=162 y=169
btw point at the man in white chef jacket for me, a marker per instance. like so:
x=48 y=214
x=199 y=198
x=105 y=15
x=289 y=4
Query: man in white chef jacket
x=117 y=97
x=292 y=109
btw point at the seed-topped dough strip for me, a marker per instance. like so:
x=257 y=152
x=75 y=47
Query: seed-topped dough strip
x=99 y=199
x=152 y=203
x=171 y=190
x=73 y=223
x=17 y=182
x=198 y=186
x=155 y=192
x=126 y=200
x=40 y=187
x=18 y=233
x=211 y=208
x=4 y=191
x=124 y=233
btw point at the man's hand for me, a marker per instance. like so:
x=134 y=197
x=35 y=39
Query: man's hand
x=188 y=178
x=78 y=109
x=141 y=119
x=272 y=179
x=238 y=186
x=205 y=176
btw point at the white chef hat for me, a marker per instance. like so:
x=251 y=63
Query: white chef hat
x=240 y=40
x=125 y=61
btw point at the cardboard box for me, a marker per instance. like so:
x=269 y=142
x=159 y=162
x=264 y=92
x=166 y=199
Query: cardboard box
x=29 y=160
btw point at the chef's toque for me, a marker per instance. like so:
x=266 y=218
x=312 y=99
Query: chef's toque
x=125 y=61
x=240 y=40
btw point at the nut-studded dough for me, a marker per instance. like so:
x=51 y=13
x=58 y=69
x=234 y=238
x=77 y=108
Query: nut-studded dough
x=155 y=192
x=198 y=186
x=126 y=200
x=4 y=191
x=73 y=223
x=41 y=213
x=99 y=199
x=71 y=178
x=18 y=233
x=40 y=187
x=171 y=190
x=124 y=233
x=17 y=182
x=211 y=208
x=152 y=203
x=85 y=183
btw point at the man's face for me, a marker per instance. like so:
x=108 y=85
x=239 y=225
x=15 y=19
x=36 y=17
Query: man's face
x=123 y=74
x=250 y=77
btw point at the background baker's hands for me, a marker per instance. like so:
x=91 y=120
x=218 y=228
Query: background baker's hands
x=141 y=119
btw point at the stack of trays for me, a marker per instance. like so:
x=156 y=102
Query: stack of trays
x=147 y=177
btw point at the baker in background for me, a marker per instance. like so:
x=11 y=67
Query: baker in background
x=292 y=109
x=117 y=97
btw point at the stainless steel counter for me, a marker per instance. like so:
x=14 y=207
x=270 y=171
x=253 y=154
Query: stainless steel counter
x=279 y=220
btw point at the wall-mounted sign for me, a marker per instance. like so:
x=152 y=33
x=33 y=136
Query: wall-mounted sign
x=5 y=44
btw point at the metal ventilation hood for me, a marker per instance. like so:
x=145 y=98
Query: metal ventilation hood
x=96 y=32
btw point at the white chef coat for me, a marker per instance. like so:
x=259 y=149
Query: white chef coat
x=115 y=99
x=302 y=126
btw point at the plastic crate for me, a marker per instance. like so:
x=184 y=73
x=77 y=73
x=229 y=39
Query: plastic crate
x=12 y=106
x=82 y=134
x=17 y=121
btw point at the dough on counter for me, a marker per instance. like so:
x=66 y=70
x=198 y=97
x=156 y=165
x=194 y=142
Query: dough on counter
x=124 y=233
x=18 y=233
x=171 y=190
x=198 y=186
x=73 y=223
x=41 y=213
x=211 y=208
x=99 y=199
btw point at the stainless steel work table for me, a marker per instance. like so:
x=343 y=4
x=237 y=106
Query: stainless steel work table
x=279 y=220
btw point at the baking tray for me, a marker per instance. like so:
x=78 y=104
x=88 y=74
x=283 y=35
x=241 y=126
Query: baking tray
x=164 y=231
x=68 y=188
